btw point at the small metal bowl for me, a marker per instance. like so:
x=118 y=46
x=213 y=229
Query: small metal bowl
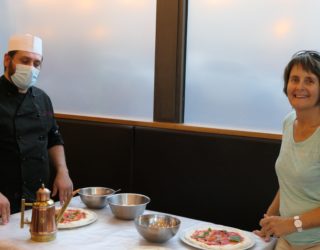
x=95 y=197
x=157 y=228
x=128 y=206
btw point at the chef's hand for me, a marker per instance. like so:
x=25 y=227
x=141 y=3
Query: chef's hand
x=277 y=226
x=63 y=185
x=4 y=209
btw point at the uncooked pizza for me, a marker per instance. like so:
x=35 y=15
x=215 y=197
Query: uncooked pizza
x=76 y=217
x=218 y=238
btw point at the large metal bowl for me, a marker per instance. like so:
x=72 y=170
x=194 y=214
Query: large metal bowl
x=95 y=197
x=128 y=206
x=157 y=228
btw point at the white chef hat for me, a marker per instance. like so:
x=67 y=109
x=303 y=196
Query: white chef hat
x=25 y=42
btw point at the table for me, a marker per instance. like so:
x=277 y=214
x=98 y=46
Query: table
x=106 y=233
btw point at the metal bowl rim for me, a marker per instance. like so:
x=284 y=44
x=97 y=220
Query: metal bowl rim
x=120 y=194
x=96 y=195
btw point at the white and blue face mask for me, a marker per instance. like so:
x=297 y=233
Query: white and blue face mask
x=25 y=76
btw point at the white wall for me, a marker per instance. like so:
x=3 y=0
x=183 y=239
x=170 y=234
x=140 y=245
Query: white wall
x=98 y=54
x=237 y=51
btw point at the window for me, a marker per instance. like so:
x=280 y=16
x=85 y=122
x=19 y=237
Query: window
x=98 y=55
x=236 y=54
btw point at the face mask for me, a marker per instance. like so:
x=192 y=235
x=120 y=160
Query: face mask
x=25 y=76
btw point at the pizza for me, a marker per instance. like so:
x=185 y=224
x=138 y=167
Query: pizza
x=218 y=238
x=76 y=217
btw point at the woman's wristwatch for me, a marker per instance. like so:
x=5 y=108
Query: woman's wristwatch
x=297 y=223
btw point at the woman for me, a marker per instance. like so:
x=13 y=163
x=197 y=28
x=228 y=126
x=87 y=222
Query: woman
x=294 y=214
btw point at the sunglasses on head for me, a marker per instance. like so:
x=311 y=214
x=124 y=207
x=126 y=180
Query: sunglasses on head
x=312 y=53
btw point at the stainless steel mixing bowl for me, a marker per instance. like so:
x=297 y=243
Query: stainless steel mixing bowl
x=127 y=206
x=95 y=197
x=157 y=228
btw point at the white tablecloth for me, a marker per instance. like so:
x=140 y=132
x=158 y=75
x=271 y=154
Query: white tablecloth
x=106 y=233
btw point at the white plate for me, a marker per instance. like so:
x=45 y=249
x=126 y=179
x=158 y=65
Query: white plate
x=213 y=226
x=74 y=224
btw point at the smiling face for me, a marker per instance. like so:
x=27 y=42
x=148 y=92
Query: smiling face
x=303 y=89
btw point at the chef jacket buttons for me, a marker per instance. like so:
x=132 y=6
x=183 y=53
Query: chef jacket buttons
x=38 y=115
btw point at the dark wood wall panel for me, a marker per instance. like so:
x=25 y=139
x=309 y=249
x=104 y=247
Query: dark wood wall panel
x=223 y=179
x=98 y=154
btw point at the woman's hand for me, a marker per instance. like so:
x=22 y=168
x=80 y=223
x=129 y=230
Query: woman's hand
x=276 y=225
x=262 y=235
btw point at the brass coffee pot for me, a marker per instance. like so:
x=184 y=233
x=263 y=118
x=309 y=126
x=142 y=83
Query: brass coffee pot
x=43 y=225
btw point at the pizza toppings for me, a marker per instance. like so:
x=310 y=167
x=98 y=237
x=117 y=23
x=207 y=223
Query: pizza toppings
x=76 y=217
x=71 y=215
x=217 y=237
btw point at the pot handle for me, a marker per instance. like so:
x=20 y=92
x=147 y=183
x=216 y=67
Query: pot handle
x=23 y=206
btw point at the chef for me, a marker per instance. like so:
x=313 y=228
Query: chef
x=29 y=135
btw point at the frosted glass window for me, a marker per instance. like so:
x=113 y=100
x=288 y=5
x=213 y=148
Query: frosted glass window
x=98 y=54
x=236 y=54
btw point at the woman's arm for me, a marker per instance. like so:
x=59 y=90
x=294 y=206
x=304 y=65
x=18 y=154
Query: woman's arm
x=280 y=226
x=274 y=207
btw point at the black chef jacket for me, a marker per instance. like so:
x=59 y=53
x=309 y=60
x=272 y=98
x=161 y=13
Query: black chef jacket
x=27 y=130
